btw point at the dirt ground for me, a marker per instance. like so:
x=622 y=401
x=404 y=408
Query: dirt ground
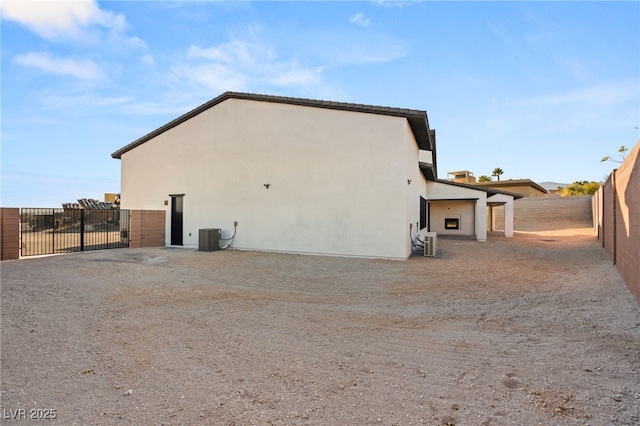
x=535 y=329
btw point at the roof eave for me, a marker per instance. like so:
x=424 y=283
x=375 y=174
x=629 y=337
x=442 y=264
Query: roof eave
x=491 y=191
x=428 y=171
x=417 y=119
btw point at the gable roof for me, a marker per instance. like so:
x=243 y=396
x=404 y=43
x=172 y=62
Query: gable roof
x=418 y=121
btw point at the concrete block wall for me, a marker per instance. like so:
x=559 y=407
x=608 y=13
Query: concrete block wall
x=147 y=228
x=10 y=233
x=619 y=223
x=552 y=208
x=626 y=190
x=628 y=219
x=532 y=213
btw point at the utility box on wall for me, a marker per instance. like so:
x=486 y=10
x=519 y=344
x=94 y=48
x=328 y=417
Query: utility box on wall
x=209 y=239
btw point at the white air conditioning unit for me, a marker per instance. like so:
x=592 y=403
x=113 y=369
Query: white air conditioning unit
x=430 y=243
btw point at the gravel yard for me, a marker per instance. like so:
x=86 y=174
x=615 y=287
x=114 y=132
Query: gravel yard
x=535 y=329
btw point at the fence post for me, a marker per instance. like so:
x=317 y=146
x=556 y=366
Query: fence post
x=82 y=230
x=53 y=231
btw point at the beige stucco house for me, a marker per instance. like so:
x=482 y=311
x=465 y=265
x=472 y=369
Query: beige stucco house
x=524 y=187
x=297 y=175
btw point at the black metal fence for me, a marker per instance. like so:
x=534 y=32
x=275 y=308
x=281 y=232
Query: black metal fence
x=49 y=231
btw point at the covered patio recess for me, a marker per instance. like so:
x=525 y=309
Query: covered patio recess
x=457 y=209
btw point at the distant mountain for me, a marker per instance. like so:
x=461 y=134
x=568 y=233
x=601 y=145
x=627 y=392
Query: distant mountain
x=552 y=185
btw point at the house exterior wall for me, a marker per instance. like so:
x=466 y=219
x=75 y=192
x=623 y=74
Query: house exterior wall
x=338 y=180
x=462 y=210
x=470 y=204
x=415 y=189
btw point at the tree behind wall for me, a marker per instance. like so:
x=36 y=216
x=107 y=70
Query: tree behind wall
x=497 y=172
x=582 y=187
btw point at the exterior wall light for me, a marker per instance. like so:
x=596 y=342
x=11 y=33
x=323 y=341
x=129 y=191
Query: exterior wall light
x=267 y=185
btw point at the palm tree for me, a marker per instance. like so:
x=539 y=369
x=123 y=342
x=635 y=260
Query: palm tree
x=484 y=178
x=497 y=172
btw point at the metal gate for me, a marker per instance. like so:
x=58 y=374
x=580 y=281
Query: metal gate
x=49 y=231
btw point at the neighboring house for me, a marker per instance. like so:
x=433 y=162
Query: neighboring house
x=297 y=175
x=525 y=187
x=463 y=176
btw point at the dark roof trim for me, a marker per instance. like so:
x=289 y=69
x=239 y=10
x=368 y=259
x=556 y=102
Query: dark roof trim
x=417 y=119
x=428 y=171
x=491 y=191
x=453 y=199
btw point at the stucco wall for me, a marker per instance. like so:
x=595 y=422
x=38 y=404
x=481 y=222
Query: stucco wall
x=617 y=212
x=9 y=233
x=470 y=204
x=462 y=210
x=338 y=180
x=416 y=189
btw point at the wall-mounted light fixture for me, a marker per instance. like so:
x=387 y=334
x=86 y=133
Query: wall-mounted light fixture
x=267 y=185
x=408 y=181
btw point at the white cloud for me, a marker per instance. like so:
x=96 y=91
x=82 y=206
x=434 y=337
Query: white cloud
x=394 y=3
x=233 y=52
x=237 y=65
x=83 y=69
x=254 y=64
x=360 y=19
x=54 y=19
x=215 y=77
x=148 y=60
x=132 y=42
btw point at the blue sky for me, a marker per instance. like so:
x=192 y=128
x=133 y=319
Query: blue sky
x=542 y=90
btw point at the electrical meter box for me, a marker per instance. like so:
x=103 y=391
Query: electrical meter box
x=209 y=239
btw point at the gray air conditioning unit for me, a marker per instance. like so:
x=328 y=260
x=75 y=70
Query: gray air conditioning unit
x=209 y=239
x=430 y=243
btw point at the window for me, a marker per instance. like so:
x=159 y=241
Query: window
x=423 y=213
